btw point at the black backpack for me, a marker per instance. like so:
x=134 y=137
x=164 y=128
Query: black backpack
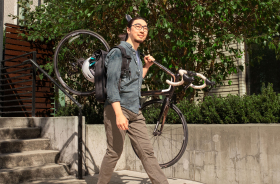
x=100 y=78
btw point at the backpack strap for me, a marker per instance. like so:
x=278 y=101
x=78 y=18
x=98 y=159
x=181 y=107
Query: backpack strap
x=126 y=59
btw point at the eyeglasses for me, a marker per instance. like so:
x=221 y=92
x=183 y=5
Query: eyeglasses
x=139 y=27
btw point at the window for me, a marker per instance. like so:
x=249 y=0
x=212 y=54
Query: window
x=263 y=68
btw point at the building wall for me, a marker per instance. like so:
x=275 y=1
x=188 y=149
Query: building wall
x=11 y=7
x=35 y=3
x=238 y=85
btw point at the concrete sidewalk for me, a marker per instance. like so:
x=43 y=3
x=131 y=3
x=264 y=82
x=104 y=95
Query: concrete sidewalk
x=119 y=177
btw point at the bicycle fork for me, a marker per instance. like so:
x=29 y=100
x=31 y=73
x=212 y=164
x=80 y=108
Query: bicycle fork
x=162 y=115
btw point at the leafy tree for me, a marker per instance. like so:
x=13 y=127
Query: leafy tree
x=191 y=34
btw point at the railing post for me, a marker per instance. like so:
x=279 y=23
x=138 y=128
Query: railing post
x=34 y=85
x=80 y=145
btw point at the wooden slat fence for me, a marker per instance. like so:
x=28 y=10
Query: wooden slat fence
x=17 y=90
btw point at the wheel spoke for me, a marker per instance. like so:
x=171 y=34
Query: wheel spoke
x=169 y=141
x=170 y=157
x=169 y=144
x=72 y=55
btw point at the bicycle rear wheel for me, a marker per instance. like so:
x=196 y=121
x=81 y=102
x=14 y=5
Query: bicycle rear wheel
x=74 y=48
x=171 y=144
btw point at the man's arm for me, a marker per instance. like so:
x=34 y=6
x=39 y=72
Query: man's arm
x=113 y=65
x=148 y=63
x=113 y=76
x=145 y=70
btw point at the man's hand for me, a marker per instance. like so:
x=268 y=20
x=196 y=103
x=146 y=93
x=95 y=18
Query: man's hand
x=148 y=61
x=122 y=122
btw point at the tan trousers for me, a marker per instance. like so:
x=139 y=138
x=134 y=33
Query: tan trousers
x=137 y=132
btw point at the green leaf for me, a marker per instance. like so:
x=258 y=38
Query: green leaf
x=167 y=36
x=41 y=76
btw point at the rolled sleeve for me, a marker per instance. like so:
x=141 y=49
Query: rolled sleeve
x=113 y=64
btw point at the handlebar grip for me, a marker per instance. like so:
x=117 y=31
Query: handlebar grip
x=210 y=83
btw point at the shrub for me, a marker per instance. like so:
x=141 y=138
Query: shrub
x=93 y=114
x=233 y=109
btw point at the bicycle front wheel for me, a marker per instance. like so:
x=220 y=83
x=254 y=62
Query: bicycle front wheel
x=71 y=51
x=171 y=144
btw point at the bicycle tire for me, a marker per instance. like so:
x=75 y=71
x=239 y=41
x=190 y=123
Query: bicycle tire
x=82 y=44
x=166 y=157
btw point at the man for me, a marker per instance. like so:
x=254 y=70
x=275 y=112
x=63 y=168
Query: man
x=121 y=109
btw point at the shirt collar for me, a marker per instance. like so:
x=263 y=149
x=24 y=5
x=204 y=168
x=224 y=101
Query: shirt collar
x=128 y=45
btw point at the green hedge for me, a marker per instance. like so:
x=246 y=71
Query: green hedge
x=262 y=108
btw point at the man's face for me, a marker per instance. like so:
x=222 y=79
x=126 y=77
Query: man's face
x=138 y=35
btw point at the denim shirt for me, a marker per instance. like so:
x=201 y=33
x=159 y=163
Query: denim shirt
x=130 y=86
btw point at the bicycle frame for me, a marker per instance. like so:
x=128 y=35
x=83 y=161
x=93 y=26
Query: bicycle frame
x=162 y=92
x=166 y=102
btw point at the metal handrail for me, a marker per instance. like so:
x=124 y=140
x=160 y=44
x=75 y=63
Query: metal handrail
x=33 y=86
x=80 y=125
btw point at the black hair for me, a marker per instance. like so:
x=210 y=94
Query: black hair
x=124 y=36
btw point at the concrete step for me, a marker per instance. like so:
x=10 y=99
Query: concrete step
x=20 y=133
x=68 y=179
x=28 y=158
x=13 y=122
x=25 y=174
x=18 y=145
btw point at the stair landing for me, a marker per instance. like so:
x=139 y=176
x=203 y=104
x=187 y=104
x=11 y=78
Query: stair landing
x=119 y=177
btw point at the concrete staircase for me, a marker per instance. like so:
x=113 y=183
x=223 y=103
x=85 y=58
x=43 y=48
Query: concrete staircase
x=24 y=156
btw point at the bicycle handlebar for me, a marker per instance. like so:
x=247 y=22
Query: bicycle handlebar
x=185 y=78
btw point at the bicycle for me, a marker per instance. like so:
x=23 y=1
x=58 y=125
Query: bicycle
x=159 y=112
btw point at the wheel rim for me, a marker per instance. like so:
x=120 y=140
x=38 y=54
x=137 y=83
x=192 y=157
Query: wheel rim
x=171 y=144
x=73 y=47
